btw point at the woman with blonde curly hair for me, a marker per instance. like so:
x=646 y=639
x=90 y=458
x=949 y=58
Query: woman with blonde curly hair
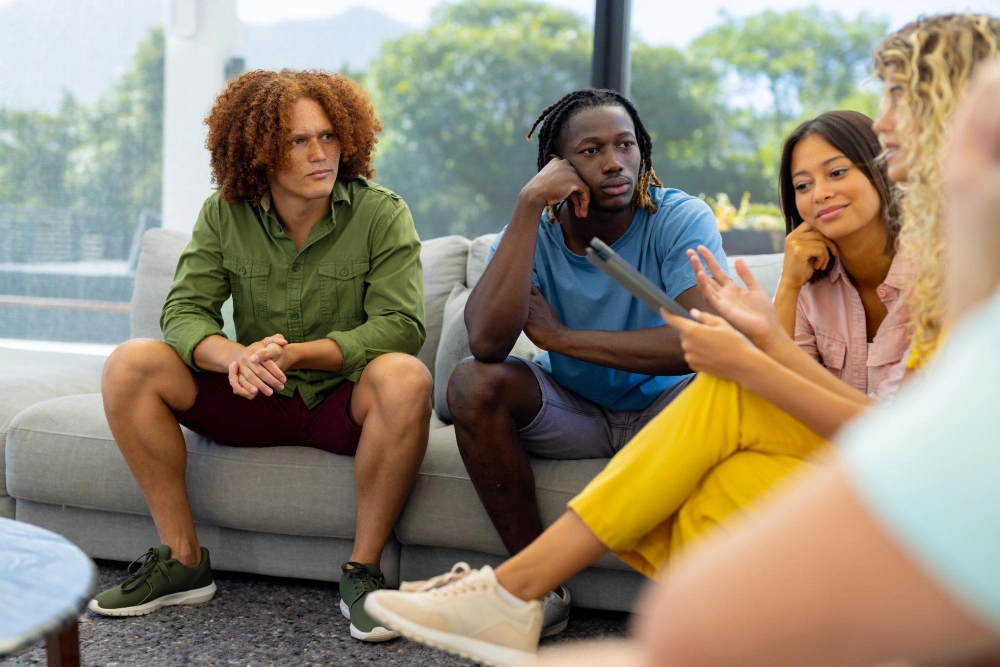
x=323 y=268
x=926 y=67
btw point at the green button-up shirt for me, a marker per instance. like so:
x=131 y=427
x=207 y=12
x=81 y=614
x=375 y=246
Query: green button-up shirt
x=357 y=280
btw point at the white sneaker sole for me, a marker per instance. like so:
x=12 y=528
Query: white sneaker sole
x=555 y=629
x=377 y=634
x=465 y=647
x=195 y=596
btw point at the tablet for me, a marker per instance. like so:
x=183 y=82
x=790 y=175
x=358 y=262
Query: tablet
x=623 y=273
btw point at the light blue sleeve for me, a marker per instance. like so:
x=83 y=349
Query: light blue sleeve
x=928 y=465
x=689 y=224
x=493 y=249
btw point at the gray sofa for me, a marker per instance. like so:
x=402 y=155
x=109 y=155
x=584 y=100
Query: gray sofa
x=284 y=511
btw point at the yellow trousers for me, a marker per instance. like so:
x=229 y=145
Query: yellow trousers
x=714 y=450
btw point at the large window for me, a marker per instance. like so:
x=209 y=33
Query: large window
x=719 y=84
x=456 y=84
x=81 y=124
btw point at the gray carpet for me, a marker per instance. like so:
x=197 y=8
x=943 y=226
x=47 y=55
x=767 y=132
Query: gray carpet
x=257 y=621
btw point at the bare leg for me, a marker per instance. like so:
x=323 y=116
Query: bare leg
x=489 y=403
x=143 y=385
x=392 y=403
x=565 y=548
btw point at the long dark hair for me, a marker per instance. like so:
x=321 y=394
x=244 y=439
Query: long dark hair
x=850 y=133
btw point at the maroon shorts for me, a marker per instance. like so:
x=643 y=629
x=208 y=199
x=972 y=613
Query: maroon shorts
x=270 y=421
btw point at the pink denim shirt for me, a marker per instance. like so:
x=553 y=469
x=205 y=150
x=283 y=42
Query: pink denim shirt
x=830 y=326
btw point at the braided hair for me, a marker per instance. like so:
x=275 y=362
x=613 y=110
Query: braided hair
x=555 y=116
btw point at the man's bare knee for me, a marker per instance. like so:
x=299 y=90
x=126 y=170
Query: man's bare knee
x=477 y=389
x=140 y=366
x=401 y=381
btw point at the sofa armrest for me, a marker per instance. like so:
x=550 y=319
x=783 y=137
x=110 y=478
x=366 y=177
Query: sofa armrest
x=31 y=377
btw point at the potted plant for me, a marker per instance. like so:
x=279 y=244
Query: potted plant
x=751 y=229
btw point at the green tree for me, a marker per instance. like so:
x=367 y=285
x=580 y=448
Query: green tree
x=802 y=62
x=458 y=99
x=105 y=159
x=118 y=162
x=34 y=154
x=681 y=105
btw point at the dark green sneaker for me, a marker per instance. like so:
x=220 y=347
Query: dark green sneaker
x=158 y=581
x=356 y=583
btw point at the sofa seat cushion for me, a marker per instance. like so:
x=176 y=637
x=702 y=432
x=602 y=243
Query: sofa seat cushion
x=443 y=509
x=61 y=452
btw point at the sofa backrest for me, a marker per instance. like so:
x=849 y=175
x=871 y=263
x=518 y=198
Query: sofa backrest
x=447 y=262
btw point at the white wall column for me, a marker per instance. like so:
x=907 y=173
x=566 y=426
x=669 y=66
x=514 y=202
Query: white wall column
x=201 y=35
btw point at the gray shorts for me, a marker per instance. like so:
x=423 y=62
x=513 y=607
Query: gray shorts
x=570 y=426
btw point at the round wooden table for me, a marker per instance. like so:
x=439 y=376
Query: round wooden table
x=45 y=582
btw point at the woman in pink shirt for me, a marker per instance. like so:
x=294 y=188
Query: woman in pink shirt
x=842 y=280
x=762 y=407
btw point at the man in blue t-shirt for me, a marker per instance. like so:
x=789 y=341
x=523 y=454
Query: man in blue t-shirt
x=611 y=364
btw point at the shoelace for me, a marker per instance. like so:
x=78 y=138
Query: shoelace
x=359 y=575
x=149 y=562
x=458 y=571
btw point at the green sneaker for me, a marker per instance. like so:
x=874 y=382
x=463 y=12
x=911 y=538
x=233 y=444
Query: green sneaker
x=158 y=581
x=356 y=583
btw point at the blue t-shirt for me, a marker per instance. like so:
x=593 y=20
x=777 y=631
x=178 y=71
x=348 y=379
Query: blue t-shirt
x=587 y=299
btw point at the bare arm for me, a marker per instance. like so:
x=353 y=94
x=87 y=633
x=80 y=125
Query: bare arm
x=786 y=303
x=789 y=585
x=497 y=309
x=815 y=405
x=751 y=312
x=654 y=351
x=712 y=345
x=806 y=251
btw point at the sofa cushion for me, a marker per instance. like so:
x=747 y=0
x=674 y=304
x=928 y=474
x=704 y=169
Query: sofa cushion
x=154 y=273
x=765 y=268
x=444 y=261
x=477 y=258
x=455 y=346
x=443 y=509
x=32 y=377
x=61 y=452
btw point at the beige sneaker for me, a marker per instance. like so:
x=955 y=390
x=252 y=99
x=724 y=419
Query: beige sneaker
x=462 y=612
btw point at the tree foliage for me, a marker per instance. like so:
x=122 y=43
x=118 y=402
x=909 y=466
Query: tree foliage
x=457 y=101
x=104 y=159
x=789 y=66
x=458 y=98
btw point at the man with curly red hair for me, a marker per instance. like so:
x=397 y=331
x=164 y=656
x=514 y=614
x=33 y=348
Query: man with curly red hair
x=323 y=267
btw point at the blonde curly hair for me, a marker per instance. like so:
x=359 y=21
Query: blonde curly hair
x=931 y=60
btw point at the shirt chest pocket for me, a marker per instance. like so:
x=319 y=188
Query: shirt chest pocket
x=832 y=352
x=343 y=288
x=248 y=281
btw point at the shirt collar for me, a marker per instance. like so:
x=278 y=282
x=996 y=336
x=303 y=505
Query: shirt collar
x=340 y=193
x=901 y=272
x=837 y=272
x=899 y=277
